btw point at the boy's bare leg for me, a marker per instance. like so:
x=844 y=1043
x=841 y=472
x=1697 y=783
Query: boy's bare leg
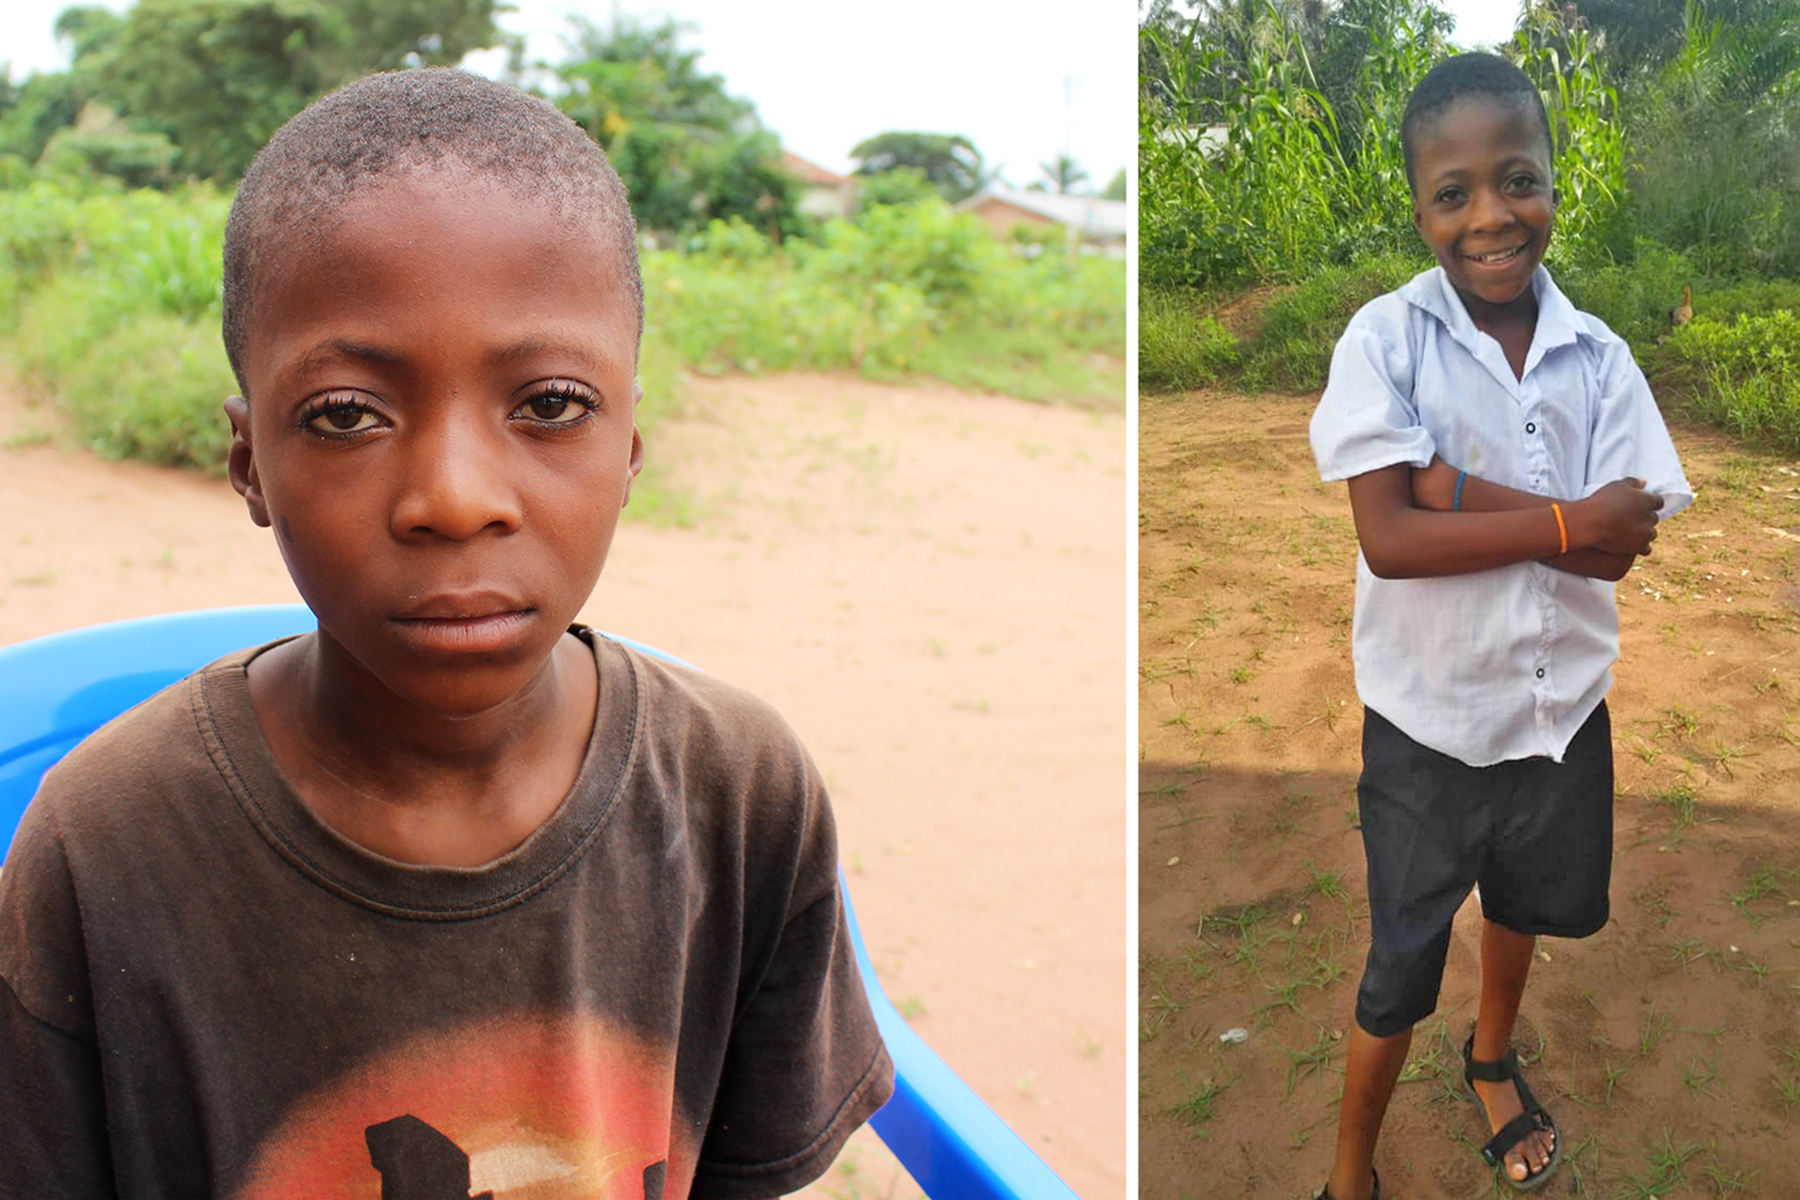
x=1505 y=962
x=1371 y=1067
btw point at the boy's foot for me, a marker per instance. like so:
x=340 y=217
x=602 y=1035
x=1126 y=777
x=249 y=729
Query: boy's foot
x=1524 y=1142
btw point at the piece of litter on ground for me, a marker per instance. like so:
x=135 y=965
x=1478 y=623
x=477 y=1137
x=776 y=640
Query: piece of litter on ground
x=1298 y=917
x=1707 y=533
x=1544 y=954
x=1174 y=862
x=1337 y=1035
x=1781 y=533
x=1734 y=949
x=1235 y=1034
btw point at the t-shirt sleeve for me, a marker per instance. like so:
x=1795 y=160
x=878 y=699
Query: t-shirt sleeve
x=1629 y=438
x=805 y=1065
x=1367 y=418
x=53 y=1137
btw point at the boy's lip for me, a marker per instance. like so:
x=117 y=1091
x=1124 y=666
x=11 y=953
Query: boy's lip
x=462 y=606
x=478 y=622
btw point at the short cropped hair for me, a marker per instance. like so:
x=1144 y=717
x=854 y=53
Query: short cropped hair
x=387 y=124
x=1464 y=77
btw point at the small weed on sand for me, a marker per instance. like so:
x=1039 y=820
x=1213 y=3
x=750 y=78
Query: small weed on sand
x=1196 y=1108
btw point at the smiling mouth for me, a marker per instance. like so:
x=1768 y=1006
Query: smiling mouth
x=1496 y=258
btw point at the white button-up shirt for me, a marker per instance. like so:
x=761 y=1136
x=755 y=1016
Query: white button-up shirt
x=1508 y=663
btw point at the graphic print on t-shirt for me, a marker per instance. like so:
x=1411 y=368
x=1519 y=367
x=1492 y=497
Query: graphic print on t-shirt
x=514 y=1109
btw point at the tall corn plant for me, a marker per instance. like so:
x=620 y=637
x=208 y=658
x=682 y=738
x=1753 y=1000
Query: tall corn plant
x=1405 y=40
x=1246 y=169
x=1239 y=155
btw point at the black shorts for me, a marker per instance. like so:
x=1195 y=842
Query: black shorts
x=1535 y=834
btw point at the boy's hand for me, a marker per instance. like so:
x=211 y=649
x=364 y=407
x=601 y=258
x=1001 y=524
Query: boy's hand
x=1620 y=518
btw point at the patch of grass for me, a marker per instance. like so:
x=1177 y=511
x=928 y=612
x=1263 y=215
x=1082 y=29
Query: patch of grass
x=1679 y=720
x=1300 y=326
x=1311 y=1062
x=1654 y=1027
x=1760 y=883
x=1698 y=1078
x=1180 y=346
x=1196 y=1109
x=1668 y=1169
x=1682 y=804
x=1329 y=884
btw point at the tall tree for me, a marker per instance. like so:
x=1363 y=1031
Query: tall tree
x=950 y=162
x=688 y=150
x=1064 y=174
x=219 y=76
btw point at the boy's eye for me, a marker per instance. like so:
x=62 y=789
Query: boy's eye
x=336 y=415
x=1449 y=196
x=1522 y=183
x=556 y=407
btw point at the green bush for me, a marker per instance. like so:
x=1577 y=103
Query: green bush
x=1743 y=375
x=1179 y=346
x=1633 y=298
x=146 y=384
x=1301 y=325
x=902 y=290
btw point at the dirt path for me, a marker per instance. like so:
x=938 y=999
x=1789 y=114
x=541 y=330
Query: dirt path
x=926 y=583
x=1668 y=1045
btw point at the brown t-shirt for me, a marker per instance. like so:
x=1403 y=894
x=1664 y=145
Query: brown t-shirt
x=208 y=992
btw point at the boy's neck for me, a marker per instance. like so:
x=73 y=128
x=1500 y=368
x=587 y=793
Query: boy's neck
x=422 y=787
x=1513 y=323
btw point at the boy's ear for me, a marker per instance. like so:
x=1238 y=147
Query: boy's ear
x=637 y=444
x=241 y=463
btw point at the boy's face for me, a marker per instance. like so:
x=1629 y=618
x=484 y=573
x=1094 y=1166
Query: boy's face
x=440 y=430
x=1483 y=198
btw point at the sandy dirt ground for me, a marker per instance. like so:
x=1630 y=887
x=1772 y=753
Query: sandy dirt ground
x=930 y=585
x=1667 y=1046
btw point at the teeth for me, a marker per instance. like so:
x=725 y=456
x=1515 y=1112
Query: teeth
x=1498 y=256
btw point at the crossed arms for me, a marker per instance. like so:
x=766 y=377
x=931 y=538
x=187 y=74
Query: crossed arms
x=1408 y=531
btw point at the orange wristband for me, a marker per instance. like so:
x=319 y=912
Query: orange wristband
x=1562 y=531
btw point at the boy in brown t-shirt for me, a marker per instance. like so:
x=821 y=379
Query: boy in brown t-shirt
x=449 y=897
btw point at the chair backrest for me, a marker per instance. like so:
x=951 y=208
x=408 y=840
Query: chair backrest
x=56 y=690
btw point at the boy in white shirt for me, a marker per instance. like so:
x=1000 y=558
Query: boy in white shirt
x=1496 y=443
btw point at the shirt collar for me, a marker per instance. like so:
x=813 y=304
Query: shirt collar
x=1558 y=323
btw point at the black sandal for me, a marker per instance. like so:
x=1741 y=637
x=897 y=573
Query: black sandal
x=1325 y=1192
x=1531 y=1120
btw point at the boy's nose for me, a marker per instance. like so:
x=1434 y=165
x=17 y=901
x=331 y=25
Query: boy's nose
x=458 y=483
x=1489 y=210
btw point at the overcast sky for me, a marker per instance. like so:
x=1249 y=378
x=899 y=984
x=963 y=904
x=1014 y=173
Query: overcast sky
x=1024 y=82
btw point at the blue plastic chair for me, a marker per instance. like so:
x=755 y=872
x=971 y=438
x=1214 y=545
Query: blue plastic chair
x=56 y=690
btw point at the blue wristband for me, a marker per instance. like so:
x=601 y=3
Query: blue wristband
x=1456 y=504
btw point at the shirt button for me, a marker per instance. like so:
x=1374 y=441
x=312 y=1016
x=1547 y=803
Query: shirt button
x=1530 y=427
x=1540 y=672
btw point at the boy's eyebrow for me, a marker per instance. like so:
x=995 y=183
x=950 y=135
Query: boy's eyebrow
x=332 y=348
x=538 y=344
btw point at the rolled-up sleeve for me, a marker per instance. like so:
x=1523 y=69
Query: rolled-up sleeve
x=1629 y=438
x=1367 y=419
